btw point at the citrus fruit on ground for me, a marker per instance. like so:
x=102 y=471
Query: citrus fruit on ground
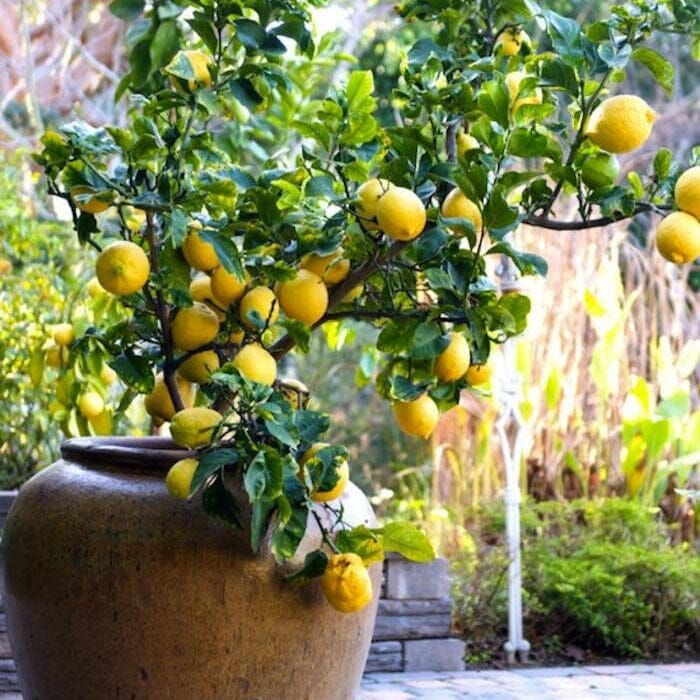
x=305 y=298
x=194 y=326
x=198 y=368
x=94 y=288
x=513 y=81
x=179 y=477
x=353 y=294
x=198 y=253
x=90 y=205
x=342 y=470
x=687 y=192
x=465 y=142
x=369 y=194
x=194 y=427
x=63 y=334
x=122 y=268
x=458 y=206
x=102 y=423
x=600 y=170
x=332 y=268
x=418 y=417
x=261 y=300
x=511 y=40
x=226 y=287
x=346 y=582
x=256 y=363
x=678 y=237
x=5 y=266
x=159 y=404
x=401 y=214
x=453 y=362
x=90 y=404
x=478 y=374
x=620 y=124
x=57 y=356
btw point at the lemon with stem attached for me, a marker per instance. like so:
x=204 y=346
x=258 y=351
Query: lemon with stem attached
x=369 y=194
x=194 y=427
x=199 y=367
x=687 y=191
x=194 y=326
x=417 y=417
x=620 y=124
x=453 y=362
x=346 y=582
x=305 y=298
x=678 y=237
x=179 y=477
x=261 y=301
x=122 y=268
x=256 y=363
x=458 y=206
x=401 y=214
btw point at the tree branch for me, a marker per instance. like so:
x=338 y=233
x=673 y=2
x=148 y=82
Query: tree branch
x=546 y=222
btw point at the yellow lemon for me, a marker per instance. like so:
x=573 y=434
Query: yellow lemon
x=621 y=124
x=194 y=427
x=369 y=194
x=122 y=268
x=342 y=470
x=200 y=289
x=102 y=423
x=478 y=374
x=401 y=214
x=453 y=361
x=353 y=294
x=90 y=404
x=90 y=205
x=256 y=364
x=678 y=237
x=94 y=288
x=511 y=40
x=687 y=192
x=513 y=81
x=198 y=253
x=237 y=337
x=346 y=583
x=57 y=356
x=305 y=298
x=466 y=142
x=108 y=375
x=5 y=266
x=418 y=417
x=261 y=300
x=332 y=268
x=200 y=66
x=179 y=477
x=135 y=219
x=63 y=334
x=198 y=368
x=226 y=287
x=159 y=404
x=194 y=326
x=458 y=206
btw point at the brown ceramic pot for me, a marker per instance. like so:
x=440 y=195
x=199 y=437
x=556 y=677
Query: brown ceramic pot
x=113 y=589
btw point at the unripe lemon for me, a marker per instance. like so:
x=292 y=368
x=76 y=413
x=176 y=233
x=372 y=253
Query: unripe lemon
x=305 y=298
x=331 y=268
x=513 y=81
x=418 y=417
x=226 y=287
x=478 y=374
x=369 y=194
x=453 y=361
x=90 y=404
x=159 y=404
x=687 y=192
x=262 y=300
x=179 y=477
x=466 y=142
x=621 y=124
x=200 y=367
x=401 y=214
x=600 y=170
x=678 y=237
x=342 y=470
x=194 y=326
x=458 y=206
x=122 y=268
x=57 y=356
x=346 y=583
x=256 y=363
x=198 y=253
x=194 y=427
x=63 y=334
x=102 y=423
x=90 y=205
x=511 y=40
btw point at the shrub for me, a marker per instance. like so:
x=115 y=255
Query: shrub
x=599 y=575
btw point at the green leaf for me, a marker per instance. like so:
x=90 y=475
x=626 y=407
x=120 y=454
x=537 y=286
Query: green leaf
x=359 y=92
x=176 y=227
x=250 y=33
x=134 y=370
x=165 y=43
x=498 y=214
x=494 y=101
x=660 y=67
x=407 y=540
x=363 y=542
x=311 y=424
x=315 y=564
x=127 y=9
x=662 y=163
x=299 y=332
x=428 y=342
x=396 y=335
x=218 y=502
x=287 y=536
x=226 y=251
x=209 y=463
x=283 y=433
x=244 y=91
x=260 y=515
x=519 y=307
x=256 y=478
x=320 y=186
x=403 y=389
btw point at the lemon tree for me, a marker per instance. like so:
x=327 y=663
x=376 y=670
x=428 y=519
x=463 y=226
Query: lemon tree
x=215 y=238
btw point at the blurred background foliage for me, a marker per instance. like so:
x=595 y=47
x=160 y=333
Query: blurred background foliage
x=609 y=363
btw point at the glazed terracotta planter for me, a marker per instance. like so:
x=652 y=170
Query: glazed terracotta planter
x=115 y=590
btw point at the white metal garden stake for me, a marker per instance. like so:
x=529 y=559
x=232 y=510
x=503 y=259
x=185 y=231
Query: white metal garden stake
x=509 y=427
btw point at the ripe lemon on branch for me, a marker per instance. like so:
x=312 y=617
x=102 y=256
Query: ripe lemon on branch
x=620 y=124
x=194 y=326
x=122 y=268
x=198 y=253
x=511 y=41
x=346 y=583
x=418 y=417
x=63 y=334
x=179 y=477
x=256 y=363
x=459 y=206
x=305 y=298
x=342 y=470
x=261 y=300
x=478 y=374
x=159 y=403
x=198 y=368
x=678 y=237
x=194 y=427
x=226 y=287
x=369 y=195
x=453 y=362
x=401 y=214
x=332 y=268
x=687 y=191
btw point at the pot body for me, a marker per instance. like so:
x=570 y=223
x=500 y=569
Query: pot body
x=113 y=589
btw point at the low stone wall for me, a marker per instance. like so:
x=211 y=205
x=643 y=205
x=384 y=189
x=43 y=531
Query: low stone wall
x=413 y=629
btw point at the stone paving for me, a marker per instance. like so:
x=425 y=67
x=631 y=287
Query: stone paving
x=632 y=682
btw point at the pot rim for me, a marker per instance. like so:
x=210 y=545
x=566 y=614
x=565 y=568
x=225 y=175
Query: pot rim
x=139 y=453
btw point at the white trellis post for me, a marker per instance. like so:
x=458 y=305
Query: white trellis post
x=509 y=427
